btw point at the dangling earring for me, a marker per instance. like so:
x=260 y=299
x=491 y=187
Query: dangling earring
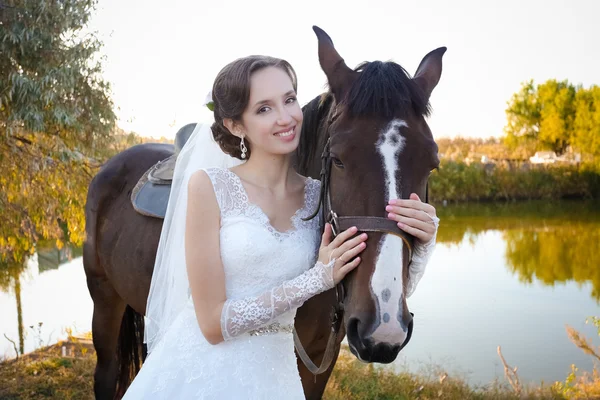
x=243 y=148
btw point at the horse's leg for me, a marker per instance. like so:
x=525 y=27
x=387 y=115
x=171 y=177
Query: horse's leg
x=106 y=324
x=313 y=326
x=108 y=305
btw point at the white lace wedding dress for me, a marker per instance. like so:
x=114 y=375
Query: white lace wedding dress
x=268 y=275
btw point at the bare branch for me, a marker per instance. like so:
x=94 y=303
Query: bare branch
x=14 y=346
x=22 y=139
x=511 y=374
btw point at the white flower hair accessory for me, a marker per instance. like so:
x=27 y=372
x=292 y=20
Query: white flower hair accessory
x=208 y=101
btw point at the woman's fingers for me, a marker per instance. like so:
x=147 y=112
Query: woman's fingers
x=420 y=220
x=350 y=244
x=349 y=249
x=427 y=227
x=346 y=265
x=395 y=211
x=344 y=269
x=326 y=237
x=419 y=234
x=413 y=204
x=353 y=252
x=342 y=237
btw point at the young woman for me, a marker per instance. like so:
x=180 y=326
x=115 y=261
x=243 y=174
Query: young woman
x=220 y=314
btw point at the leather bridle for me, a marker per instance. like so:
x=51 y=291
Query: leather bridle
x=340 y=224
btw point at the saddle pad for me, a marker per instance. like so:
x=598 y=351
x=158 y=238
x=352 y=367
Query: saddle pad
x=150 y=199
x=162 y=172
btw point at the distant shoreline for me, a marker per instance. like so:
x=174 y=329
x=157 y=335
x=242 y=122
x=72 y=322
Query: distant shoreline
x=457 y=181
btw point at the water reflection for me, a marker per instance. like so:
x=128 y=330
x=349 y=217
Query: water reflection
x=549 y=242
x=48 y=258
x=10 y=281
x=51 y=258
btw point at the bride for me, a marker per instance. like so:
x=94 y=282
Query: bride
x=235 y=258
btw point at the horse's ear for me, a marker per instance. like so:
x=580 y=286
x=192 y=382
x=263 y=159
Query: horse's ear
x=339 y=76
x=430 y=70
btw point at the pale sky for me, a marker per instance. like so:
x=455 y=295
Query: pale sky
x=162 y=56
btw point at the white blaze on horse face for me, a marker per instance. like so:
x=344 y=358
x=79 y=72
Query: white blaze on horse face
x=387 y=280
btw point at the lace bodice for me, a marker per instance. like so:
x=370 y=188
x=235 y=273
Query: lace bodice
x=256 y=257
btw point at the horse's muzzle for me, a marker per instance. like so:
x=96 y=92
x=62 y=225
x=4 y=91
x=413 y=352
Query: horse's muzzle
x=365 y=348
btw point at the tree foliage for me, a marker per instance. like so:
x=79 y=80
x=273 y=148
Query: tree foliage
x=56 y=121
x=553 y=116
x=586 y=126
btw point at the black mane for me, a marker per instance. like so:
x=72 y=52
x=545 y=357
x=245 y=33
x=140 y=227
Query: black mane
x=383 y=89
x=312 y=136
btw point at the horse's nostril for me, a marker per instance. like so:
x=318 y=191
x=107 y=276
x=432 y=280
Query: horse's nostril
x=409 y=333
x=353 y=333
x=407 y=321
x=352 y=329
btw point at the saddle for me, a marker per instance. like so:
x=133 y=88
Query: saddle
x=150 y=195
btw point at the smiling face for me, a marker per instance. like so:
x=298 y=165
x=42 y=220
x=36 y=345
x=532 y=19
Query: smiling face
x=255 y=97
x=272 y=121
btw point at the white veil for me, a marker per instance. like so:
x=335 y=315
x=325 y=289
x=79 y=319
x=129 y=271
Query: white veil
x=169 y=290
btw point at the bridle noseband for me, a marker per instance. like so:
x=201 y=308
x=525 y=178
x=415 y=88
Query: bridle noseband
x=338 y=225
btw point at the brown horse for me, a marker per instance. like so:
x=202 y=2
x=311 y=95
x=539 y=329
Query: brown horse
x=378 y=146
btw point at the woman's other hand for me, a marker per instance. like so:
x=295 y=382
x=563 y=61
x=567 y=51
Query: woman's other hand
x=414 y=217
x=344 y=249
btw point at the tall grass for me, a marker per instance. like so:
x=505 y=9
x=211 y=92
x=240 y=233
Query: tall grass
x=459 y=181
x=352 y=379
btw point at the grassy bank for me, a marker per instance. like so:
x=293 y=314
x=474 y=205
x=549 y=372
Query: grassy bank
x=48 y=373
x=459 y=181
x=352 y=379
x=65 y=371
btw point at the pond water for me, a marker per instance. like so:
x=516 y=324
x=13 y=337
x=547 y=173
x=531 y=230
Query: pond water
x=50 y=290
x=510 y=275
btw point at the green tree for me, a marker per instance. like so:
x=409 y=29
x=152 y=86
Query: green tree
x=587 y=121
x=541 y=117
x=523 y=115
x=56 y=121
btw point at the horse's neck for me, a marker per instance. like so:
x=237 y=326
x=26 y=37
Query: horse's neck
x=310 y=167
x=313 y=136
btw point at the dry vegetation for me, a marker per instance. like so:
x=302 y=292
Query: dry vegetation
x=65 y=371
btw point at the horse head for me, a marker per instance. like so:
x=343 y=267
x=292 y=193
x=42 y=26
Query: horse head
x=380 y=148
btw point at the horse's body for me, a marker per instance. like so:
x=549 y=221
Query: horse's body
x=121 y=245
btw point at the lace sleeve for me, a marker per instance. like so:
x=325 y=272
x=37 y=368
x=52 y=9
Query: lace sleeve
x=243 y=315
x=421 y=254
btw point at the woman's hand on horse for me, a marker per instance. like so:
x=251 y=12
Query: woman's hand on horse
x=414 y=217
x=344 y=249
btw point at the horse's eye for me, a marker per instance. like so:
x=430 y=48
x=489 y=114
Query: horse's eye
x=337 y=162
